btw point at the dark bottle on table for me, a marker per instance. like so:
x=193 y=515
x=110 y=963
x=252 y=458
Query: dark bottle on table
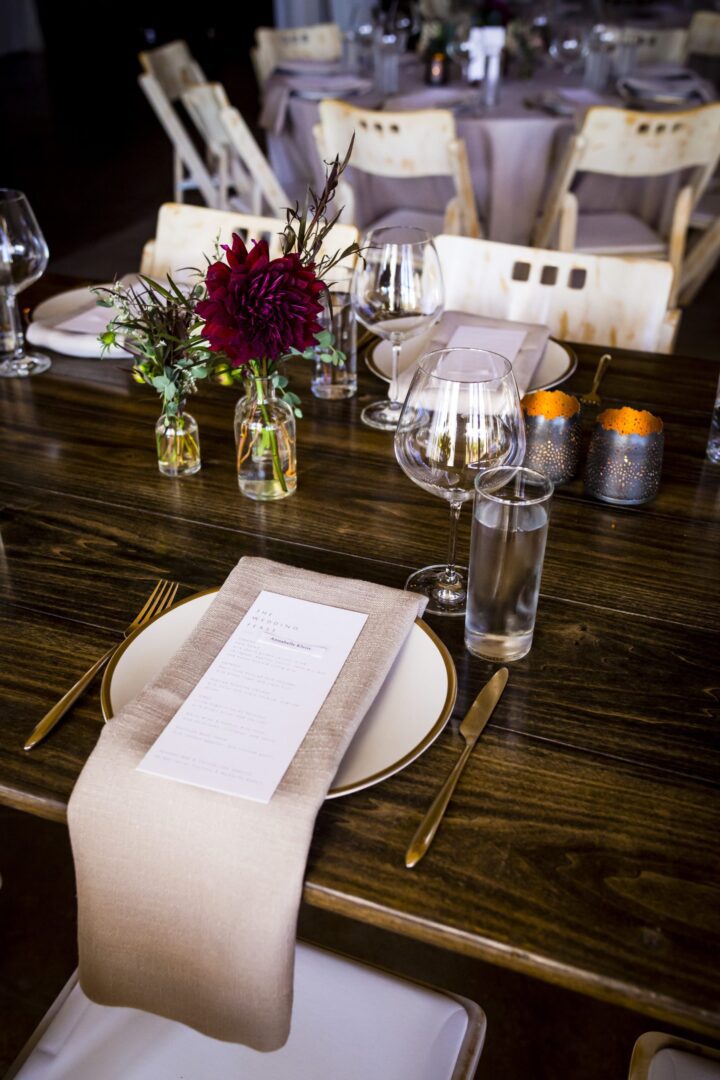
x=437 y=63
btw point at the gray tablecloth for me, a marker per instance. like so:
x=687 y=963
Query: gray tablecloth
x=512 y=149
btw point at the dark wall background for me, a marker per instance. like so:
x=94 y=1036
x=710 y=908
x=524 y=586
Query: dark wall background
x=78 y=134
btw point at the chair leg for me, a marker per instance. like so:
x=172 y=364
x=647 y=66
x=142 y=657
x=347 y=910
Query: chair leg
x=567 y=222
x=678 y=238
x=700 y=263
x=177 y=177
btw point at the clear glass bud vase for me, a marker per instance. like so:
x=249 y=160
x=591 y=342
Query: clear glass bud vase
x=265 y=441
x=178 y=444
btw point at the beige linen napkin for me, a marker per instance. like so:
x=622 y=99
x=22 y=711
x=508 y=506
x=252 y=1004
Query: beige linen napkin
x=187 y=898
x=525 y=360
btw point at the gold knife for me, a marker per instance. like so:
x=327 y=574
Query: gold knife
x=471 y=729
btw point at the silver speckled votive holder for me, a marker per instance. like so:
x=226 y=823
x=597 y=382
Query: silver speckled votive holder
x=553 y=434
x=624 y=459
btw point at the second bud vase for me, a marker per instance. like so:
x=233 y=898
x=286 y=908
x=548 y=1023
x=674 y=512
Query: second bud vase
x=266 y=443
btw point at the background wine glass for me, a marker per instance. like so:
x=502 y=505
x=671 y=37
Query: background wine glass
x=398 y=293
x=23 y=258
x=461 y=416
x=568 y=46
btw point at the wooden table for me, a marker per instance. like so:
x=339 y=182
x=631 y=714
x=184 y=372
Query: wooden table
x=583 y=843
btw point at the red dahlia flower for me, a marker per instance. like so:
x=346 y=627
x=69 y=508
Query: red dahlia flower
x=257 y=307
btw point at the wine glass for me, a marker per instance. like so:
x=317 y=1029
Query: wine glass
x=461 y=416
x=398 y=293
x=23 y=258
x=568 y=46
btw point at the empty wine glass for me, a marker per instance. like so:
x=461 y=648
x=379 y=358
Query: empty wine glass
x=568 y=46
x=461 y=416
x=23 y=258
x=398 y=293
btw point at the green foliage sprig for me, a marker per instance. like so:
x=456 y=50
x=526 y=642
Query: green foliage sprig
x=305 y=231
x=159 y=327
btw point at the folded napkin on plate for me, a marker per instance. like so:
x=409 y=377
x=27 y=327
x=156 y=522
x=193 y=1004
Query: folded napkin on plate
x=523 y=344
x=187 y=898
x=432 y=97
x=681 y=88
x=306 y=66
x=73 y=327
x=282 y=87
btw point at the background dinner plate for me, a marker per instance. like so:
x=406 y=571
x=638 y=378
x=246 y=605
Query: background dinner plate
x=557 y=365
x=56 y=309
x=408 y=714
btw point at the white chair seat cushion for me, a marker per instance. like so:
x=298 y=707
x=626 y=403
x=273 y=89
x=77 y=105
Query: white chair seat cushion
x=617 y=234
x=671 y=1064
x=350 y=1022
x=419 y=219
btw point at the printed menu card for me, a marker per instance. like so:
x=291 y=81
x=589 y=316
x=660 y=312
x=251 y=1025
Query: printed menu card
x=241 y=725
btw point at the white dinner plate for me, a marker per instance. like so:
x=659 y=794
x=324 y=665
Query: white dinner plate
x=56 y=309
x=557 y=365
x=408 y=714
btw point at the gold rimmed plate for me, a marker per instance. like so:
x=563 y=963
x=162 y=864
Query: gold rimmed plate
x=558 y=362
x=412 y=708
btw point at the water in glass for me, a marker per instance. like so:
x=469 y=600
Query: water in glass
x=507 y=549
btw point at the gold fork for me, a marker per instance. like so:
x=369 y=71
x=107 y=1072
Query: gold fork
x=159 y=600
x=593 y=398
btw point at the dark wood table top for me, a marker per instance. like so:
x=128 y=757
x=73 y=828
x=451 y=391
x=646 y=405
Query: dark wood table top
x=583 y=843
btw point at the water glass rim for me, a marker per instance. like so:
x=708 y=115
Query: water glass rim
x=423 y=236
x=11 y=194
x=507 y=366
x=484 y=485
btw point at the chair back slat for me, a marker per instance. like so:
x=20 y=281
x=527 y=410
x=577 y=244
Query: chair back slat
x=323 y=41
x=203 y=104
x=622 y=142
x=174 y=67
x=657 y=46
x=599 y=300
x=320 y=42
x=704 y=34
x=398 y=144
x=185 y=235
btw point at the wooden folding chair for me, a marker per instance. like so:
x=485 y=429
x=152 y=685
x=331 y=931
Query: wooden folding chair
x=242 y=167
x=599 y=300
x=416 y=143
x=168 y=71
x=620 y=142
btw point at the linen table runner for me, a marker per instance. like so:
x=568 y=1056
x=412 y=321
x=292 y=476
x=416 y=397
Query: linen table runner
x=188 y=898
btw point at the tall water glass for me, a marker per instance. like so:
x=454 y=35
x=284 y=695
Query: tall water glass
x=339 y=380
x=398 y=293
x=461 y=417
x=507 y=548
x=23 y=258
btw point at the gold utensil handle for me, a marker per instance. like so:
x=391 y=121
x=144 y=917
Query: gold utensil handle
x=58 y=710
x=602 y=365
x=427 y=828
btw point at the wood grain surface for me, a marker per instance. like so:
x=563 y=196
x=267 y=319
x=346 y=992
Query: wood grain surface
x=583 y=843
